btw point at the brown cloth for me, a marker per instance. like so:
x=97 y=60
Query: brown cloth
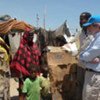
x=13 y=24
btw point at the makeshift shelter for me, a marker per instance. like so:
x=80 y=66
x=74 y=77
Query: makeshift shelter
x=8 y=28
x=55 y=36
x=63 y=29
x=52 y=37
x=65 y=74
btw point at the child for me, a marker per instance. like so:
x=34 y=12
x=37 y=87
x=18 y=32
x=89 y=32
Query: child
x=32 y=86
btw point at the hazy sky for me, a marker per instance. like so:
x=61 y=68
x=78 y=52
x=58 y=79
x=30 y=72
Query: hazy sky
x=56 y=11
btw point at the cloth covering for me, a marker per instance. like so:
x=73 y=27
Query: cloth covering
x=4 y=71
x=12 y=24
x=4 y=49
x=91 y=90
x=27 y=53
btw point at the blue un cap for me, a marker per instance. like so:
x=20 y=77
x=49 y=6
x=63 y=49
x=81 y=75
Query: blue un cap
x=92 y=20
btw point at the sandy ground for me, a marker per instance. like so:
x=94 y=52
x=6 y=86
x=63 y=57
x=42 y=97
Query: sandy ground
x=13 y=89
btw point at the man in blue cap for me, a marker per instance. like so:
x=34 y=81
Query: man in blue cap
x=90 y=58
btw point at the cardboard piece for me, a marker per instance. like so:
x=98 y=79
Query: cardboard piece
x=58 y=56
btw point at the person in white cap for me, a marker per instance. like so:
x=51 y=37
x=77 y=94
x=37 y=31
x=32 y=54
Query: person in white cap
x=90 y=58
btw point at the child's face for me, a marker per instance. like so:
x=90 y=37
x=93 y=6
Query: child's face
x=33 y=75
x=33 y=72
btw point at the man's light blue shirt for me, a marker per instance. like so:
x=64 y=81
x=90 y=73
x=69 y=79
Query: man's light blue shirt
x=92 y=51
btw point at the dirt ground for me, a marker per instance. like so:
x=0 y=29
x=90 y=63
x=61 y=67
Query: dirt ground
x=13 y=89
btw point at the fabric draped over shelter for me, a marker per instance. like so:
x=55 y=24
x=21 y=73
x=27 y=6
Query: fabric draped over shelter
x=52 y=37
x=13 y=24
x=61 y=30
x=27 y=53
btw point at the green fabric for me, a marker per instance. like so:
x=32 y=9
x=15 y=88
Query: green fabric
x=32 y=88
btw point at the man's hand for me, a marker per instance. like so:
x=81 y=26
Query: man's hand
x=96 y=60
